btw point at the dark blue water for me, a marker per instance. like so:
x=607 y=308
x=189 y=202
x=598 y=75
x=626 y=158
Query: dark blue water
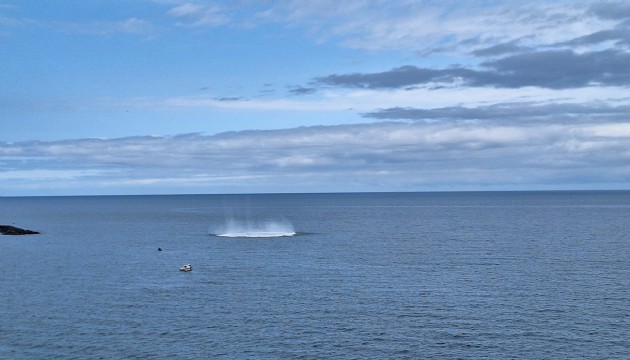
x=523 y=275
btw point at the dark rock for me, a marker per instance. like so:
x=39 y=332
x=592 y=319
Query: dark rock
x=12 y=230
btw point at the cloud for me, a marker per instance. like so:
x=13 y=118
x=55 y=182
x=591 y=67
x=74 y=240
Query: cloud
x=611 y=10
x=300 y=90
x=560 y=45
x=619 y=36
x=478 y=27
x=510 y=113
x=380 y=156
x=501 y=49
x=558 y=69
x=430 y=27
x=197 y=15
x=399 y=77
x=132 y=26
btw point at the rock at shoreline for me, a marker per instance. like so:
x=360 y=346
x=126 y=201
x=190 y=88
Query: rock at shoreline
x=12 y=230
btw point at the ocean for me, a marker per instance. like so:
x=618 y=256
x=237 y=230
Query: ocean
x=461 y=275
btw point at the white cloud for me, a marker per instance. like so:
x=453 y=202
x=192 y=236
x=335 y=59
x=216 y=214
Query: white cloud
x=610 y=130
x=447 y=25
x=384 y=156
x=197 y=15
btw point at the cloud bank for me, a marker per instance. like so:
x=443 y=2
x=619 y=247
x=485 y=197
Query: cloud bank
x=384 y=155
x=561 y=69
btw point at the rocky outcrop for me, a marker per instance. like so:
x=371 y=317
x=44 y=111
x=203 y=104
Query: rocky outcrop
x=12 y=230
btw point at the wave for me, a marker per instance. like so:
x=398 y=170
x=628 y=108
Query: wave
x=255 y=229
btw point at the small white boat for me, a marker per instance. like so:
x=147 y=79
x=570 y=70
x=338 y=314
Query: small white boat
x=186 y=267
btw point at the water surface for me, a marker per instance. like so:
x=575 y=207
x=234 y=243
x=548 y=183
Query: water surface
x=518 y=275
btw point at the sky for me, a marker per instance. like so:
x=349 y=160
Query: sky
x=107 y=97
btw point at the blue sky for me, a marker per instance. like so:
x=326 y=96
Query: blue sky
x=245 y=96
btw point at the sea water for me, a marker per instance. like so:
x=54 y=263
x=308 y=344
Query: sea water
x=496 y=275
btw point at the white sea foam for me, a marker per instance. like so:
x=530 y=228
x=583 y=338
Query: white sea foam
x=255 y=229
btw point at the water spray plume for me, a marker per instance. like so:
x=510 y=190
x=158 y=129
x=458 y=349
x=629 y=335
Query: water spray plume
x=255 y=229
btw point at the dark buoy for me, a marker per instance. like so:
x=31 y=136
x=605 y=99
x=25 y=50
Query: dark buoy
x=159 y=248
